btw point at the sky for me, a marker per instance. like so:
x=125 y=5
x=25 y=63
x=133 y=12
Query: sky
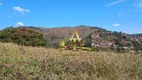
x=114 y=15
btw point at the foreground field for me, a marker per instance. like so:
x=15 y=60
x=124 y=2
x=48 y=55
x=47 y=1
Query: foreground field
x=28 y=63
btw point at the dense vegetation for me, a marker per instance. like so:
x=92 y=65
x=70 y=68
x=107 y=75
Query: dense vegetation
x=22 y=36
x=32 y=63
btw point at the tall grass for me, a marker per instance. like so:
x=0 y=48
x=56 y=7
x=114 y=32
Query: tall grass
x=32 y=63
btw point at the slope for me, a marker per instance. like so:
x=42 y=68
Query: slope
x=33 y=63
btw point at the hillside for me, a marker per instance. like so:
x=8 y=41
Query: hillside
x=66 y=32
x=54 y=35
x=94 y=37
x=33 y=63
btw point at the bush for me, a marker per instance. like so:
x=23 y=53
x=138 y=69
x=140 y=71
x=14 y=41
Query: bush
x=138 y=46
x=22 y=36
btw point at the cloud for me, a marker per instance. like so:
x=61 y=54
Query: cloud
x=113 y=3
x=0 y=3
x=119 y=14
x=116 y=25
x=19 y=24
x=22 y=10
x=9 y=16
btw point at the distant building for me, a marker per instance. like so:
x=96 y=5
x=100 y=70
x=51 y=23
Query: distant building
x=95 y=36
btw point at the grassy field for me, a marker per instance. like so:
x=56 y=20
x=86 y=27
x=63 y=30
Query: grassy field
x=32 y=63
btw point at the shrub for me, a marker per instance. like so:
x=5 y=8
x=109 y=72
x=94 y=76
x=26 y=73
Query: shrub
x=22 y=36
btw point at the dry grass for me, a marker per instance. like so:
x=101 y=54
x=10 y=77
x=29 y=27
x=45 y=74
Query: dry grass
x=28 y=63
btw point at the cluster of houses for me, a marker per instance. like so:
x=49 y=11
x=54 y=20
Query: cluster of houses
x=99 y=42
x=104 y=44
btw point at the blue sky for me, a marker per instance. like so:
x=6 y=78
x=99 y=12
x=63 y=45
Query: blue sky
x=115 y=15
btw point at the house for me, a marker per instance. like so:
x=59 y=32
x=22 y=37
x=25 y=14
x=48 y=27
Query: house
x=95 y=36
